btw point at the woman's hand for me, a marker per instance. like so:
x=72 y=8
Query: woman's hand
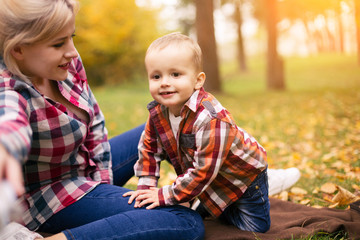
x=10 y=169
x=144 y=197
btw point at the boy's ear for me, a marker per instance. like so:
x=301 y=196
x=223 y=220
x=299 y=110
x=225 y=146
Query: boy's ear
x=17 y=53
x=200 y=80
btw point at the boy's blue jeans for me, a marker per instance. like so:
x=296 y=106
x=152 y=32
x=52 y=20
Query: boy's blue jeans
x=252 y=211
x=105 y=214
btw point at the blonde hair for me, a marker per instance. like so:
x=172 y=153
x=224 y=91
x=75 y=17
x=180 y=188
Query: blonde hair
x=29 y=22
x=179 y=40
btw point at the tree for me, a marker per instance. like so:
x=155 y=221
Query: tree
x=112 y=38
x=275 y=69
x=357 y=20
x=240 y=40
x=206 y=38
x=326 y=37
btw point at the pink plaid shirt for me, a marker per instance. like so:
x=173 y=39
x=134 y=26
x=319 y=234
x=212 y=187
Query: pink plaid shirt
x=63 y=156
x=214 y=159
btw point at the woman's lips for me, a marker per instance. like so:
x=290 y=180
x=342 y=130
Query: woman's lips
x=65 y=66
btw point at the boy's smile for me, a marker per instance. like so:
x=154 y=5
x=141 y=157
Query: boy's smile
x=172 y=76
x=167 y=94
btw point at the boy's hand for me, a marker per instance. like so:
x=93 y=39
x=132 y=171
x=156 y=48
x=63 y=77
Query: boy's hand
x=144 y=197
x=133 y=195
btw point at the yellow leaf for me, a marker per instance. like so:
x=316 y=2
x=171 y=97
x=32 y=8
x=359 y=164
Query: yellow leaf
x=328 y=156
x=305 y=201
x=317 y=206
x=334 y=205
x=316 y=190
x=358 y=125
x=298 y=191
x=356 y=187
x=284 y=195
x=328 y=198
x=344 y=197
x=296 y=156
x=328 y=188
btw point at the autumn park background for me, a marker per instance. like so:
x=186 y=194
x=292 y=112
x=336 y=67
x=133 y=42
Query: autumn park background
x=288 y=71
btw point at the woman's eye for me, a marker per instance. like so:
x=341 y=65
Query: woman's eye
x=58 y=45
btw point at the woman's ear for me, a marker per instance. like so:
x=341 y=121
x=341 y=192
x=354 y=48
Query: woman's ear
x=200 y=80
x=17 y=53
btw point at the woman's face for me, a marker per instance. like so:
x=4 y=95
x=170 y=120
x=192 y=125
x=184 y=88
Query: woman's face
x=49 y=59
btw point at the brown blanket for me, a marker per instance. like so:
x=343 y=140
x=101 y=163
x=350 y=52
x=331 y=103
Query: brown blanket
x=290 y=220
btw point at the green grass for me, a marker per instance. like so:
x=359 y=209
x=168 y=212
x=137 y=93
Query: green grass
x=314 y=124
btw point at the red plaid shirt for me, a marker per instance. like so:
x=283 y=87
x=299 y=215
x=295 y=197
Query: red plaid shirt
x=63 y=156
x=214 y=159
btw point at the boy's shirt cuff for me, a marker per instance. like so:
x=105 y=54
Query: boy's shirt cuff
x=166 y=196
x=146 y=182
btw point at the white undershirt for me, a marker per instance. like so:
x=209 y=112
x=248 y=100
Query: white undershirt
x=175 y=122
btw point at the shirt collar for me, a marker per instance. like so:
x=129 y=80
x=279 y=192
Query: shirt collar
x=194 y=101
x=4 y=72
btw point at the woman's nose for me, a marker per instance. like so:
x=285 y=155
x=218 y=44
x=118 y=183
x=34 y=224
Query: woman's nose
x=71 y=51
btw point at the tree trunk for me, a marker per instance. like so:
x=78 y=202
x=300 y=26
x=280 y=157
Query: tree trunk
x=275 y=66
x=240 y=41
x=341 y=32
x=206 y=38
x=357 y=20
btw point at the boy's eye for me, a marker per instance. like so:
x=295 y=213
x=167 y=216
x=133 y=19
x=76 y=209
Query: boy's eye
x=175 y=74
x=156 y=76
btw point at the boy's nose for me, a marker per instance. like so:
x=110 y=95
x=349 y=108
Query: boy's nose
x=164 y=81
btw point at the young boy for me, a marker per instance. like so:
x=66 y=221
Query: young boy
x=216 y=162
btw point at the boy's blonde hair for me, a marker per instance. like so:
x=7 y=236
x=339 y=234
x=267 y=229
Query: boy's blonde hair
x=180 y=40
x=29 y=22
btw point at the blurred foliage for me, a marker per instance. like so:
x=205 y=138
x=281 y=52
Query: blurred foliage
x=299 y=9
x=112 y=38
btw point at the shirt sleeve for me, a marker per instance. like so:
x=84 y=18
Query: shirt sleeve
x=213 y=143
x=15 y=130
x=147 y=168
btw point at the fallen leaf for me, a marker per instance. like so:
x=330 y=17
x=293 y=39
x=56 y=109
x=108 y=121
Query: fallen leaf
x=316 y=190
x=317 y=206
x=298 y=191
x=334 y=205
x=344 y=197
x=356 y=187
x=305 y=201
x=284 y=195
x=328 y=188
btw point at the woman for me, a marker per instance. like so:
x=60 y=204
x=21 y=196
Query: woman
x=51 y=127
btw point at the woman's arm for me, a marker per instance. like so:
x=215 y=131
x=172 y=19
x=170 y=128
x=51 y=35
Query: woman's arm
x=15 y=135
x=10 y=169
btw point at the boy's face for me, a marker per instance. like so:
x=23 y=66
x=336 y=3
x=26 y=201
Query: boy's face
x=172 y=76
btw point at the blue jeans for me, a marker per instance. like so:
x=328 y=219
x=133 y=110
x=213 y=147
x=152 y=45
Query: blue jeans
x=252 y=211
x=104 y=213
